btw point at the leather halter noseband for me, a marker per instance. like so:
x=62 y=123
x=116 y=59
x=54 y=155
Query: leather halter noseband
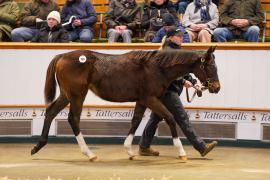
x=199 y=89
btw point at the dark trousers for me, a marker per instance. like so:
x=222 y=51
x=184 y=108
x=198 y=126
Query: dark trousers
x=172 y=101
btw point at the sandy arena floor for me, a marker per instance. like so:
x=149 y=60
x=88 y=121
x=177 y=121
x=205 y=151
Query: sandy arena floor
x=64 y=161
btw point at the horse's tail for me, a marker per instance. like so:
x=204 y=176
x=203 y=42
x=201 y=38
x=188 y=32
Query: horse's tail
x=50 y=84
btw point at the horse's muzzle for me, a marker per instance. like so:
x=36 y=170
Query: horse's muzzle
x=215 y=87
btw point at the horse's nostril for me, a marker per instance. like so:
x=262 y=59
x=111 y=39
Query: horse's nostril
x=217 y=90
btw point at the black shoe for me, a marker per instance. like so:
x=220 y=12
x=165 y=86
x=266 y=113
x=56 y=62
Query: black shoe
x=148 y=152
x=208 y=148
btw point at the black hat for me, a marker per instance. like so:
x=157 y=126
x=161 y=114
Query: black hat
x=168 y=19
x=174 y=32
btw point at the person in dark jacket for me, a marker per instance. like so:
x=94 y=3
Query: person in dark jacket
x=122 y=20
x=239 y=19
x=168 y=23
x=33 y=16
x=52 y=31
x=152 y=17
x=172 y=102
x=83 y=16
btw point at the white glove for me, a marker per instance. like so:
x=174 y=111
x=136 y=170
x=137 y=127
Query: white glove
x=38 y=20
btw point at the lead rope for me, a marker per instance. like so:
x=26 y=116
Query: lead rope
x=198 y=91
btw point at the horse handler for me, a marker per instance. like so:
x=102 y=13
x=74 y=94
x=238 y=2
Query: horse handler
x=172 y=102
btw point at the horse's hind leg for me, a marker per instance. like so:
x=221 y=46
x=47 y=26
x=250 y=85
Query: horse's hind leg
x=135 y=122
x=74 y=121
x=51 y=111
x=155 y=105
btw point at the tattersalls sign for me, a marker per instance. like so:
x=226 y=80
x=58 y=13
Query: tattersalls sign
x=229 y=116
x=249 y=124
x=127 y=114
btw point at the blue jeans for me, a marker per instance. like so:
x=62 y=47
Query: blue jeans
x=182 y=6
x=23 y=34
x=84 y=35
x=224 y=34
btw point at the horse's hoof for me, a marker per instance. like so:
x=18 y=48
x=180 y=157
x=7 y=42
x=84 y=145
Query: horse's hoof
x=33 y=151
x=131 y=157
x=183 y=158
x=94 y=158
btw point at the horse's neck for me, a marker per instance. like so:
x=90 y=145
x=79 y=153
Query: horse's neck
x=176 y=71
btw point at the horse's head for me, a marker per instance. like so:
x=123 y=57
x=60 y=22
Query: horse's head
x=206 y=70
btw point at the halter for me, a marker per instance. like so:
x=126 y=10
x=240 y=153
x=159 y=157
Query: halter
x=207 y=84
x=199 y=89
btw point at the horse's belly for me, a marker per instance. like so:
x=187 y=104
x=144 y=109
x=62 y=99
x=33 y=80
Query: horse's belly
x=114 y=94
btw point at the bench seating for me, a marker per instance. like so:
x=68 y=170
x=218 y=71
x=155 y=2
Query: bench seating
x=101 y=7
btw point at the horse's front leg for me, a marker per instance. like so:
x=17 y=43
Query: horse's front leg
x=156 y=105
x=135 y=122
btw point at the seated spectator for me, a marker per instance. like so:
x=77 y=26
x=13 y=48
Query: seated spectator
x=152 y=17
x=181 y=6
x=33 y=15
x=9 y=14
x=52 y=31
x=83 y=16
x=169 y=23
x=200 y=19
x=122 y=20
x=240 y=19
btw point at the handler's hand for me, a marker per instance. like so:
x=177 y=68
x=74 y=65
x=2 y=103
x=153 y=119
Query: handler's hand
x=188 y=84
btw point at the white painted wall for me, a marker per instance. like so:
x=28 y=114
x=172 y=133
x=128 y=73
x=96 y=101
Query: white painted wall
x=244 y=76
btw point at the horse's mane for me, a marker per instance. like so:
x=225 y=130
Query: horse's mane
x=165 y=58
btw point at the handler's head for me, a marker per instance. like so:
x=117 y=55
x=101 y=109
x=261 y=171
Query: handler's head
x=175 y=35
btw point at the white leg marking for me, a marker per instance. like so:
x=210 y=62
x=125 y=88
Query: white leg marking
x=127 y=145
x=84 y=148
x=177 y=143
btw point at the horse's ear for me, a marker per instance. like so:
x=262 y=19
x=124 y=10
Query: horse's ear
x=209 y=52
x=211 y=49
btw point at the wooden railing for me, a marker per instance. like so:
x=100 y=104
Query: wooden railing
x=134 y=46
x=131 y=106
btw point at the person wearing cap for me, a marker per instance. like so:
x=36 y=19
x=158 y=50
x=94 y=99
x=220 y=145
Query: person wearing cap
x=169 y=22
x=152 y=16
x=52 y=31
x=173 y=39
x=200 y=19
x=85 y=17
x=173 y=103
x=33 y=15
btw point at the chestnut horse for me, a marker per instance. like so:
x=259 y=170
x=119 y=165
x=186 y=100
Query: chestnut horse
x=137 y=76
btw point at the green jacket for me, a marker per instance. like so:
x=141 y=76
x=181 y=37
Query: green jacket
x=9 y=14
x=241 y=9
x=37 y=9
